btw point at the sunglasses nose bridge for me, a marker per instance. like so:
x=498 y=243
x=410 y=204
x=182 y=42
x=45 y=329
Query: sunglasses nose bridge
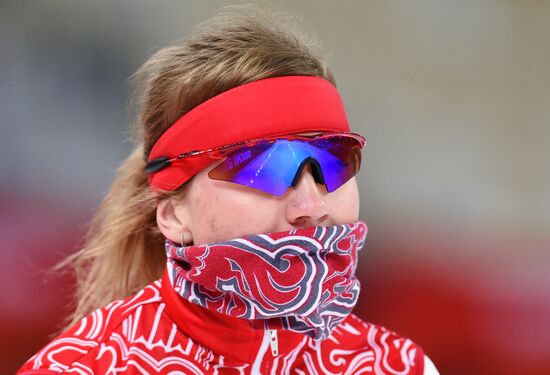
x=315 y=168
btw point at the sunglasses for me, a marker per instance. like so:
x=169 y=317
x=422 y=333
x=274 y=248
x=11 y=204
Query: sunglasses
x=274 y=165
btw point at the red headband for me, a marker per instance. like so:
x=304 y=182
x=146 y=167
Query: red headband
x=269 y=107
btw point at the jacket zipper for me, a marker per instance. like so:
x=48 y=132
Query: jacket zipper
x=273 y=342
x=270 y=338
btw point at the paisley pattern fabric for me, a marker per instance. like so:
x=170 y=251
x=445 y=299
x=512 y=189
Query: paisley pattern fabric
x=157 y=332
x=306 y=284
x=300 y=280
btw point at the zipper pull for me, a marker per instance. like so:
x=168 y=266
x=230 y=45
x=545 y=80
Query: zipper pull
x=273 y=342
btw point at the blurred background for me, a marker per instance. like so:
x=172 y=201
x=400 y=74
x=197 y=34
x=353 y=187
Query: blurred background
x=453 y=96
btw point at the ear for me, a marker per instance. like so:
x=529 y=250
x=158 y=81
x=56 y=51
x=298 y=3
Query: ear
x=173 y=221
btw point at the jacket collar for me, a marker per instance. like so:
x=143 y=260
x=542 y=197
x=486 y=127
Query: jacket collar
x=224 y=335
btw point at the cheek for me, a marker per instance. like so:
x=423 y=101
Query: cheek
x=209 y=215
x=344 y=203
x=222 y=211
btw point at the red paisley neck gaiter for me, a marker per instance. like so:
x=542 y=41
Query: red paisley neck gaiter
x=301 y=280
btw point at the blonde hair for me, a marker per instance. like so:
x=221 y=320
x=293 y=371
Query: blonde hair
x=124 y=250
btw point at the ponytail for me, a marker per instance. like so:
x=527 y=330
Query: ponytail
x=124 y=250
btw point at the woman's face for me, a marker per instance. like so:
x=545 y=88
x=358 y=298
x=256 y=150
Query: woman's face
x=212 y=211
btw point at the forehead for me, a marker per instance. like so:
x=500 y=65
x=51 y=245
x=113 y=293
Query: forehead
x=310 y=134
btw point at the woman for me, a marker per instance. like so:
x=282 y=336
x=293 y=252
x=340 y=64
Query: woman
x=244 y=174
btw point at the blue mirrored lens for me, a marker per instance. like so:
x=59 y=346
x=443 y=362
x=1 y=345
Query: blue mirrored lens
x=272 y=171
x=272 y=166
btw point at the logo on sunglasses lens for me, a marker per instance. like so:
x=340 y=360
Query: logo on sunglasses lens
x=235 y=160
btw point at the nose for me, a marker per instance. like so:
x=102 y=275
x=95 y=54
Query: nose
x=306 y=204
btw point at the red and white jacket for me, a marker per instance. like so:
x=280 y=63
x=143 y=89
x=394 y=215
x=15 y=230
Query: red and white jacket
x=157 y=332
